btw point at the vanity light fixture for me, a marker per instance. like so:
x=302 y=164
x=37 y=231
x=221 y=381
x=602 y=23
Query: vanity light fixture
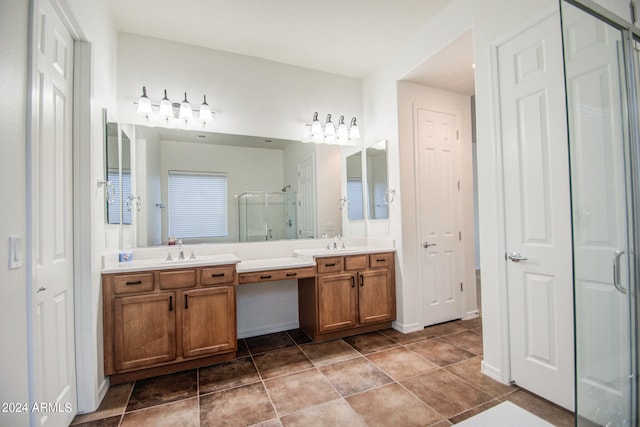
x=173 y=114
x=328 y=133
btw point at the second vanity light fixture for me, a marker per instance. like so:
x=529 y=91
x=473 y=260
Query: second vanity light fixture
x=169 y=112
x=331 y=134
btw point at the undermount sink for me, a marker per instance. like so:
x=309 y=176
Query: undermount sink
x=162 y=263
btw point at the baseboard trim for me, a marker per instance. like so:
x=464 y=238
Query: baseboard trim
x=491 y=372
x=267 y=329
x=405 y=329
x=471 y=315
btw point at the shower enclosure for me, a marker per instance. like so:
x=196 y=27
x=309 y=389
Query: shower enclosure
x=266 y=216
x=601 y=72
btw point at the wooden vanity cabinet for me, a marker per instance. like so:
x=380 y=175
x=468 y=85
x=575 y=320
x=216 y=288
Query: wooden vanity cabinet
x=351 y=295
x=165 y=321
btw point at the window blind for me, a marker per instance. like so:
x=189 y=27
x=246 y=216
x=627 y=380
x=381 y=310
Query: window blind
x=197 y=204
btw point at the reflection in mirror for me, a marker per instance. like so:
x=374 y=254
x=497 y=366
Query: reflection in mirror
x=355 y=197
x=282 y=171
x=118 y=170
x=377 y=181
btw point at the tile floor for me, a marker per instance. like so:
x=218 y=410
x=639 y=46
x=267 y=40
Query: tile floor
x=426 y=378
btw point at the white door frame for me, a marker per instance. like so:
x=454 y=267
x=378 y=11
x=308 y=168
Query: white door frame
x=418 y=190
x=86 y=354
x=502 y=372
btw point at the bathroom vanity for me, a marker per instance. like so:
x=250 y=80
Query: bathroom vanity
x=166 y=317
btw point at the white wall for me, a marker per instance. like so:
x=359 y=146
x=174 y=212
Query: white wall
x=13 y=304
x=381 y=112
x=250 y=96
x=96 y=27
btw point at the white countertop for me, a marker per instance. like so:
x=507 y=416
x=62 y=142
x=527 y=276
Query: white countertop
x=155 y=264
x=249 y=259
x=355 y=250
x=252 y=265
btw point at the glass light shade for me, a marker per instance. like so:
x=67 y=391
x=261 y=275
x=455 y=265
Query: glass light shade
x=316 y=127
x=144 y=104
x=166 y=110
x=185 y=109
x=205 y=112
x=342 y=129
x=329 y=128
x=354 y=131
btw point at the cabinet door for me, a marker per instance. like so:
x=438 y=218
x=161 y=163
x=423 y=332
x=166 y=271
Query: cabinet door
x=337 y=304
x=375 y=296
x=145 y=330
x=208 y=321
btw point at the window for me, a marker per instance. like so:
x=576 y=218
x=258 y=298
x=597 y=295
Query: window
x=197 y=204
x=113 y=210
x=355 y=198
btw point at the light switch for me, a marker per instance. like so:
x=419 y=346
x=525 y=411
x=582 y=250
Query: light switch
x=15 y=252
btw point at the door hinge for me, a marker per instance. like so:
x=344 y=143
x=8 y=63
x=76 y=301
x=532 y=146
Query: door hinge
x=460 y=236
x=461 y=287
x=458 y=185
x=457 y=134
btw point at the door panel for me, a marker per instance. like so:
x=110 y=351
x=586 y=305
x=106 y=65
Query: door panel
x=598 y=129
x=537 y=219
x=208 y=324
x=306 y=198
x=441 y=263
x=337 y=302
x=52 y=220
x=375 y=296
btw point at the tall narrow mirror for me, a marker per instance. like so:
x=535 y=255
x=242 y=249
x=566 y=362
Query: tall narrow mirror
x=376 y=166
x=355 y=196
x=118 y=165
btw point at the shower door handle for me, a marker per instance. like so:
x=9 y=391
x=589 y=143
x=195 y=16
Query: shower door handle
x=616 y=272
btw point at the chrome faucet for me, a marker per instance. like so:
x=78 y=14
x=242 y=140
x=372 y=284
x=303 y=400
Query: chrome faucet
x=181 y=251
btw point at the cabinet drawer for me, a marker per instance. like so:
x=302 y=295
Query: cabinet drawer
x=218 y=275
x=381 y=260
x=267 y=276
x=131 y=283
x=177 y=279
x=330 y=265
x=356 y=262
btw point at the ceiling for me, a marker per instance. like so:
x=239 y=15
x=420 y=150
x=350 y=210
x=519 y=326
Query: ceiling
x=349 y=38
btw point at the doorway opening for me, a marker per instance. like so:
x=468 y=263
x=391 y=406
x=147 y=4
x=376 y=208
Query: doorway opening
x=441 y=93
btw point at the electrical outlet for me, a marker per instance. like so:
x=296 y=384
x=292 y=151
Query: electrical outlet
x=15 y=252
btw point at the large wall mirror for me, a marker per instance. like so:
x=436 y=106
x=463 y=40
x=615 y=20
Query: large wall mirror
x=205 y=187
x=377 y=183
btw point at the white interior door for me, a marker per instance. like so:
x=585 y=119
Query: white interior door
x=597 y=134
x=439 y=217
x=306 y=198
x=537 y=212
x=52 y=223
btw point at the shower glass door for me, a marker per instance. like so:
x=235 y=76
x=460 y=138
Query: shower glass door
x=602 y=145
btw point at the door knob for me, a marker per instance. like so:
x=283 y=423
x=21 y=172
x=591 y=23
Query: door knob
x=428 y=245
x=516 y=257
